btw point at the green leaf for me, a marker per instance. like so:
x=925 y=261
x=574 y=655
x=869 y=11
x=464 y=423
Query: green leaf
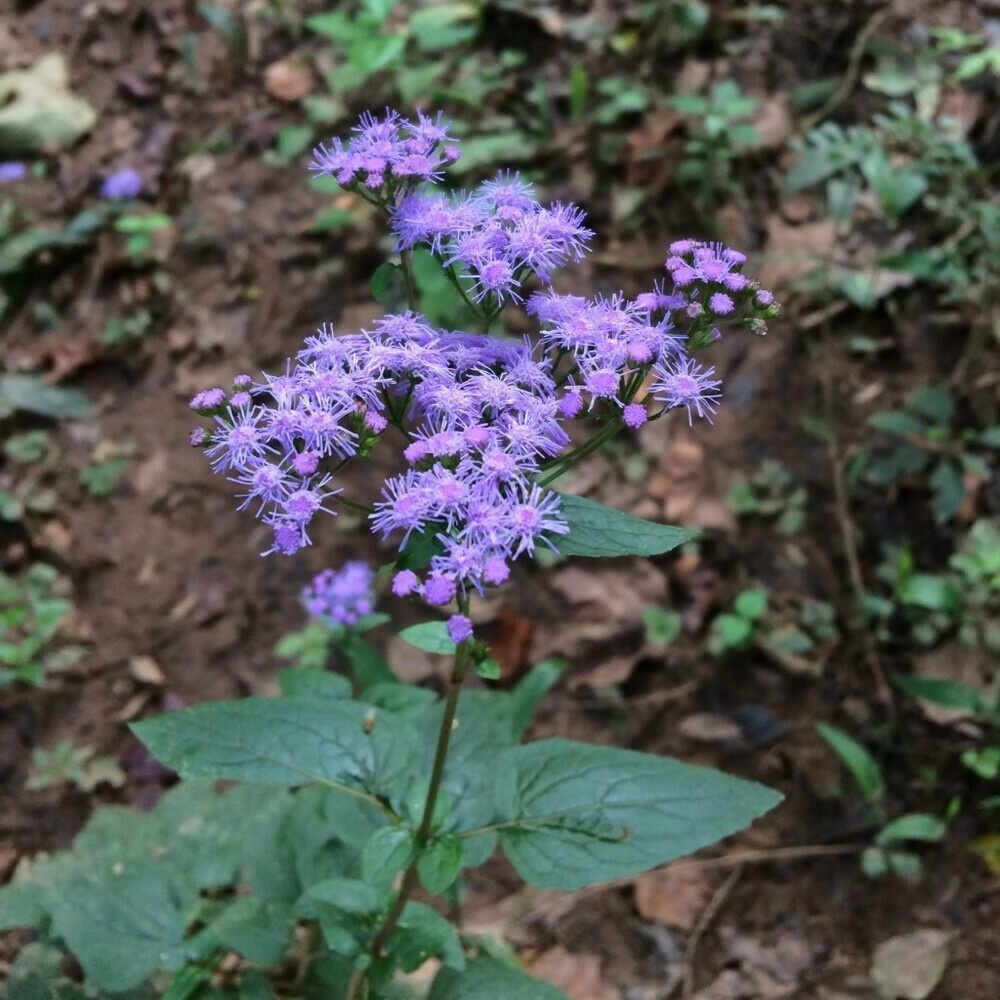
x=732 y=630
x=489 y=669
x=367 y=663
x=950 y=694
x=662 y=627
x=385 y=282
x=935 y=593
x=260 y=932
x=422 y=933
x=389 y=851
x=313 y=684
x=30 y=393
x=431 y=637
x=283 y=741
x=897 y=422
x=444 y=25
x=949 y=490
x=934 y=403
x=751 y=604
x=439 y=863
x=596 y=530
x=572 y=814
x=863 y=767
x=915 y=826
x=529 y=692
x=485 y=978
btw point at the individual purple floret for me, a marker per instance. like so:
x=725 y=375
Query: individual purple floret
x=343 y=596
x=389 y=153
x=13 y=170
x=122 y=184
x=682 y=382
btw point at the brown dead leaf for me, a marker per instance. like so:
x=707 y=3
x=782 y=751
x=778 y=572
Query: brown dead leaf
x=412 y=665
x=146 y=670
x=773 y=122
x=608 y=673
x=909 y=966
x=578 y=975
x=674 y=897
x=134 y=707
x=611 y=595
x=707 y=727
x=288 y=80
x=792 y=252
x=510 y=644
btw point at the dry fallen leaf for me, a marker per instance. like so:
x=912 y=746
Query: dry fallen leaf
x=909 y=966
x=146 y=670
x=288 y=80
x=674 y=897
x=707 y=727
x=578 y=975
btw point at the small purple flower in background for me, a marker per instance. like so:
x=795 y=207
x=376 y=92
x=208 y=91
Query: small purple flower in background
x=12 y=171
x=459 y=628
x=122 y=184
x=341 y=597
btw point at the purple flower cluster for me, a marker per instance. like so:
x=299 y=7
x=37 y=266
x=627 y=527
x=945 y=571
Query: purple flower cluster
x=343 y=596
x=482 y=417
x=389 y=152
x=494 y=237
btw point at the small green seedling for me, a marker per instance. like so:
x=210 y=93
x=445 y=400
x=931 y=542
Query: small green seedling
x=926 y=445
x=890 y=851
x=736 y=629
x=140 y=230
x=772 y=492
x=662 y=627
x=30 y=614
x=720 y=135
x=72 y=765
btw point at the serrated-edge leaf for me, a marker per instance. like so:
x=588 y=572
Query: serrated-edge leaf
x=282 y=741
x=572 y=814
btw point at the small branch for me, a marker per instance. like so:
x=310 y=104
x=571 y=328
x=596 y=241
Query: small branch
x=704 y=922
x=855 y=575
x=851 y=73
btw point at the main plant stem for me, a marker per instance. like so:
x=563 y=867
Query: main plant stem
x=424 y=830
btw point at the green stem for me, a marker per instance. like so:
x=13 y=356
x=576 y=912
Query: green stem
x=352 y=504
x=406 y=264
x=564 y=463
x=423 y=834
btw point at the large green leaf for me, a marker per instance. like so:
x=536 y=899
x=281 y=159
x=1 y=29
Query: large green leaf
x=596 y=530
x=572 y=814
x=485 y=979
x=284 y=741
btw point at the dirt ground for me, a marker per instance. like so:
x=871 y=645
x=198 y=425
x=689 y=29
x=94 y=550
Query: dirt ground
x=175 y=604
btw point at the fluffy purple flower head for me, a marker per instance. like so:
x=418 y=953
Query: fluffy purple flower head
x=122 y=184
x=13 y=170
x=341 y=596
x=682 y=382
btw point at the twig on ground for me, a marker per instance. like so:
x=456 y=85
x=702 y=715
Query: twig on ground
x=704 y=922
x=851 y=73
x=855 y=575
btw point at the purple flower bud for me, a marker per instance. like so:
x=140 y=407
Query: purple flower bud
x=721 y=304
x=459 y=628
x=439 y=590
x=197 y=437
x=634 y=415
x=405 y=583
